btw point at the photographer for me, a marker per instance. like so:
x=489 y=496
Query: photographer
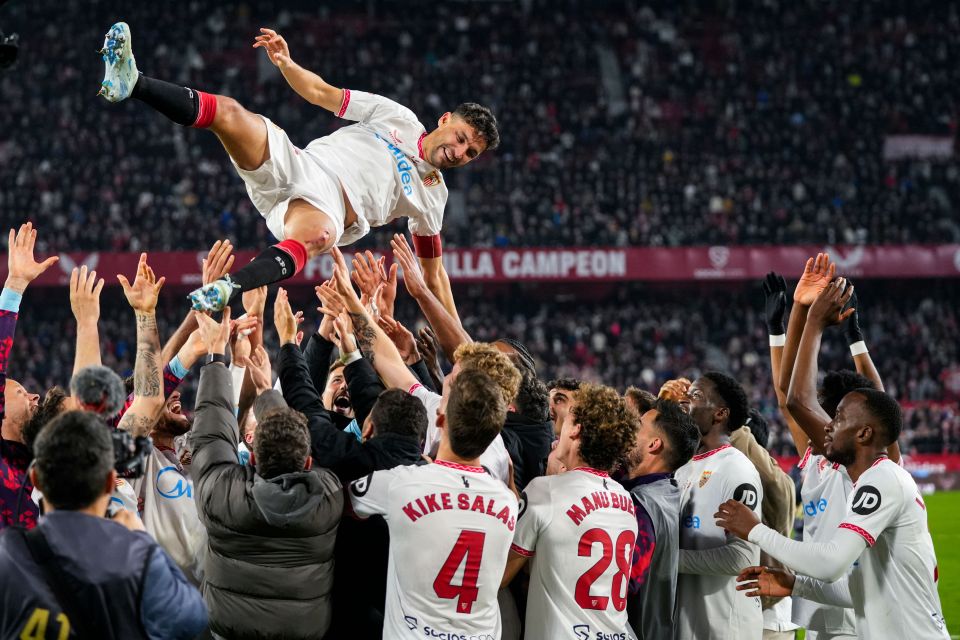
x=57 y=578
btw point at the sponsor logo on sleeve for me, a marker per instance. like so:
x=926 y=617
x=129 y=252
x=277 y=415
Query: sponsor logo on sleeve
x=866 y=501
x=747 y=494
x=360 y=487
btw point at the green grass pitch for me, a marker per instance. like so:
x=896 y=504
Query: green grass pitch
x=943 y=515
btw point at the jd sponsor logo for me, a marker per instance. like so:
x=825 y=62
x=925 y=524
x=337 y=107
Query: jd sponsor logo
x=866 y=501
x=747 y=494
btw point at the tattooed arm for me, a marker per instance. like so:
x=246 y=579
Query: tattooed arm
x=371 y=339
x=148 y=397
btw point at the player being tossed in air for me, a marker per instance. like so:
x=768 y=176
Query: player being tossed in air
x=580 y=527
x=330 y=193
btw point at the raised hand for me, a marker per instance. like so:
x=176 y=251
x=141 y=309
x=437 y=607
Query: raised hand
x=255 y=301
x=258 y=364
x=22 y=269
x=284 y=318
x=341 y=280
x=344 y=337
x=218 y=262
x=427 y=345
x=412 y=274
x=143 y=293
x=368 y=272
x=817 y=274
x=386 y=294
x=85 y=294
x=214 y=335
x=775 y=307
x=827 y=308
x=852 y=328
x=766 y=581
x=401 y=337
x=276 y=47
x=675 y=390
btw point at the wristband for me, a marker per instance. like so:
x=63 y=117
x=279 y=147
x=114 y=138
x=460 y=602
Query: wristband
x=177 y=368
x=353 y=356
x=858 y=348
x=10 y=300
x=214 y=357
x=778 y=340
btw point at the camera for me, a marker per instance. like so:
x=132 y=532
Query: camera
x=9 y=47
x=129 y=453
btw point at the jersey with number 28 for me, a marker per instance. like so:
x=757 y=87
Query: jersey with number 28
x=450 y=532
x=580 y=528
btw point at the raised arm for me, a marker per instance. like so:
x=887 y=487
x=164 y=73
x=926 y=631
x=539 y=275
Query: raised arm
x=148 y=398
x=22 y=269
x=802 y=401
x=441 y=315
x=775 y=307
x=85 y=303
x=307 y=84
x=817 y=273
x=370 y=337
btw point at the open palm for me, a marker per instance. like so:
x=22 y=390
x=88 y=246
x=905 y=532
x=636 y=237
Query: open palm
x=817 y=274
x=143 y=293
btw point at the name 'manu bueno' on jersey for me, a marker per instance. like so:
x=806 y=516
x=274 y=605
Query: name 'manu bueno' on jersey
x=579 y=528
x=451 y=527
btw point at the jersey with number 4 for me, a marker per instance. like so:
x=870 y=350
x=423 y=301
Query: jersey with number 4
x=579 y=528
x=450 y=532
x=894 y=585
x=709 y=605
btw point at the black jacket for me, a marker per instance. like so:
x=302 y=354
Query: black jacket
x=269 y=540
x=528 y=443
x=317 y=353
x=333 y=448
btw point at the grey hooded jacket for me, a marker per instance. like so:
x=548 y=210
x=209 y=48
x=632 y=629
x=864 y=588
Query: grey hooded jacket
x=269 y=567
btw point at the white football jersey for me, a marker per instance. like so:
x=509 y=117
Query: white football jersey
x=169 y=512
x=710 y=605
x=496 y=458
x=824 y=490
x=380 y=164
x=579 y=528
x=894 y=584
x=450 y=532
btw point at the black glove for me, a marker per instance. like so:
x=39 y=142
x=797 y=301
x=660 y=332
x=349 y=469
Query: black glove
x=775 y=290
x=852 y=327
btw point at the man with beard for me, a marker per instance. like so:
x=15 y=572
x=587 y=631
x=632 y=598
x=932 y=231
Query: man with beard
x=666 y=440
x=884 y=534
x=17 y=405
x=165 y=494
x=710 y=558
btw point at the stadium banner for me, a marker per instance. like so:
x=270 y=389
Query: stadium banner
x=933 y=472
x=660 y=264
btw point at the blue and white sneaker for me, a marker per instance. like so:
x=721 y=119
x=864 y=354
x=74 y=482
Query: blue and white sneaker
x=213 y=296
x=120 y=73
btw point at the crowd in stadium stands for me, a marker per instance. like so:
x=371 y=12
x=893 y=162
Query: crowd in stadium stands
x=622 y=123
x=639 y=336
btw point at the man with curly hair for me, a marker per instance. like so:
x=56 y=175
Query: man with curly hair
x=710 y=558
x=580 y=527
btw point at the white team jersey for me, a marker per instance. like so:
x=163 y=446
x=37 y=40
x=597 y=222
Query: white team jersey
x=580 y=528
x=710 y=605
x=894 y=585
x=169 y=512
x=450 y=532
x=379 y=163
x=824 y=490
x=496 y=458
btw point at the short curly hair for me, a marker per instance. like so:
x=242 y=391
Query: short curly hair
x=281 y=443
x=608 y=429
x=837 y=384
x=733 y=397
x=482 y=120
x=494 y=363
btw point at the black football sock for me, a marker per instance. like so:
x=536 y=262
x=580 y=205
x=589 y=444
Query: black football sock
x=180 y=104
